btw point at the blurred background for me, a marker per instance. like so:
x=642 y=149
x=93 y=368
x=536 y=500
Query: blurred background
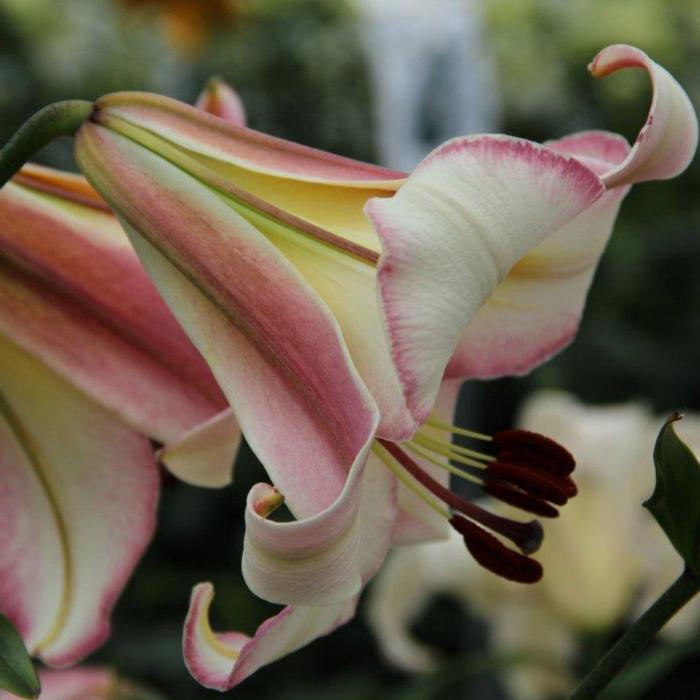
x=385 y=81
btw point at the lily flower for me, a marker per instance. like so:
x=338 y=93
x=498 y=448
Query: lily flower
x=93 y=370
x=331 y=298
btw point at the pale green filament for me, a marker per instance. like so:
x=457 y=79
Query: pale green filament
x=408 y=481
x=448 y=449
x=446 y=453
x=448 y=427
x=424 y=454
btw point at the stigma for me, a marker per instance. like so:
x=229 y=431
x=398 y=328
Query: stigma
x=520 y=468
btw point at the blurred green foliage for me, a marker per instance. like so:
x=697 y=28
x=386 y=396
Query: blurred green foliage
x=300 y=70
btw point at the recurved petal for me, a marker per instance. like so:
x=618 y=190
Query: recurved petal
x=325 y=559
x=273 y=345
x=65 y=186
x=667 y=142
x=469 y=212
x=205 y=455
x=222 y=661
x=90 y=485
x=221 y=100
x=74 y=294
x=535 y=311
x=601 y=151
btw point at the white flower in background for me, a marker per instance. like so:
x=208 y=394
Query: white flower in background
x=605 y=558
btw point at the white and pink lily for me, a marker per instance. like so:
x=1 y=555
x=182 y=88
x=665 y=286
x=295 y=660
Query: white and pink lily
x=93 y=369
x=332 y=299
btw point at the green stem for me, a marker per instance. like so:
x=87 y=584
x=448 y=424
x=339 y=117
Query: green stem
x=638 y=636
x=58 y=119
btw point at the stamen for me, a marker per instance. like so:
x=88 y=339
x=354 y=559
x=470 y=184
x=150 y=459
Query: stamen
x=424 y=454
x=495 y=556
x=526 y=536
x=409 y=483
x=532 y=449
x=448 y=427
x=437 y=445
x=529 y=470
x=515 y=497
x=445 y=452
x=498 y=489
x=550 y=487
x=460 y=449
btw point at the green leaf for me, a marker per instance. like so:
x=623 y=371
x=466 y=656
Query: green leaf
x=16 y=670
x=675 y=502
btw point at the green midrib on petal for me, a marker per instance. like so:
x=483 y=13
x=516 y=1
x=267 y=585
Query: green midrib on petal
x=247 y=204
x=32 y=453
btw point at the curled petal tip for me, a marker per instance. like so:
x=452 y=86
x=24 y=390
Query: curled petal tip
x=204 y=455
x=222 y=660
x=597 y=68
x=266 y=499
x=667 y=142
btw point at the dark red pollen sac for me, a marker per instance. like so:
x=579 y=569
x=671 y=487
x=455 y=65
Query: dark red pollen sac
x=531 y=472
x=528 y=449
x=494 y=555
x=519 y=499
x=527 y=537
x=555 y=488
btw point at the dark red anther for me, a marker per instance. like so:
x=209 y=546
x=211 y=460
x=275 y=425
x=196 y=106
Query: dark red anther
x=527 y=537
x=494 y=555
x=526 y=448
x=541 y=484
x=515 y=497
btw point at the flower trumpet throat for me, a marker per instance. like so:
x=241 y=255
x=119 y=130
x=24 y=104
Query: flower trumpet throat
x=527 y=470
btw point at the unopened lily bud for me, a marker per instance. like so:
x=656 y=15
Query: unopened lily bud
x=221 y=100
